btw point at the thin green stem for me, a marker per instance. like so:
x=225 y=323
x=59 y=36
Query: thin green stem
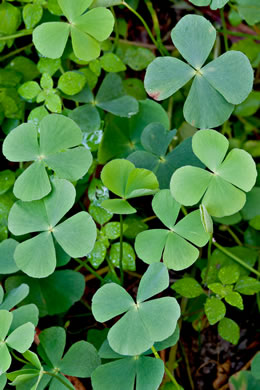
x=59 y=379
x=235 y=237
x=156 y=25
x=112 y=269
x=209 y=258
x=121 y=250
x=183 y=209
x=85 y=265
x=18 y=359
x=17 y=51
x=149 y=218
x=223 y=20
x=169 y=110
x=187 y=366
x=149 y=32
x=168 y=372
x=240 y=34
x=22 y=33
x=116 y=40
x=234 y=257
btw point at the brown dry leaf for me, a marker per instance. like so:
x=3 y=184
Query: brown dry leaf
x=222 y=374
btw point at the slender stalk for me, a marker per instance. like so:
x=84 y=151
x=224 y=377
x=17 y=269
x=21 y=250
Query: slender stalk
x=100 y=272
x=209 y=258
x=183 y=209
x=240 y=34
x=59 y=379
x=112 y=269
x=234 y=257
x=22 y=33
x=149 y=32
x=149 y=218
x=116 y=40
x=18 y=359
x=223 y=20
x=85 y=265
x=168 y=372
x=169 y=110
x=235 y=237
x=156 y=25
x=17 y=51
x=121 y=250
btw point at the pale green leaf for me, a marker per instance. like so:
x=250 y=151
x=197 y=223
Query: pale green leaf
x=210 y=147
x=50 y=38
x=21 y=144
x=165 y=76
x=21 y=338
x=33 y=183
x=201 y=38
x=191 y=228
x=154 y=281
x=77 y=235
x=118 y=206
x=166 y=208
x=85 y=47
x=98 y=23
x=36 y=257
x=6 y=319
x=231 y=75
x=179 y=254
x=149 y=245
x=110 y=301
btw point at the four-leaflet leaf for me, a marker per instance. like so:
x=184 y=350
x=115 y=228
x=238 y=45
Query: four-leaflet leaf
x=76 y=235
x=216 y=87
x=221 y=189
x=57 y=149
x=178 y=253
x=145 y=321
x=123 y=179
x=87 y=30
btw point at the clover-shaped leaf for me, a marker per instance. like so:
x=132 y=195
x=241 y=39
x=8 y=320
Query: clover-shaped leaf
x=19 y=339
x=123 y=373
x=80 y=360
x=178 y=253
x=155 y=140
x=57 y=149
x=44 y=92
x=122 y=136
x=87 y=30
x=221 y=189
x=214 y=4
x=216 y=87
x=123 y=179
x=37 y=256
x=145 y=321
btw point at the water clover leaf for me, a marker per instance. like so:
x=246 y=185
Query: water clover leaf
x=155 y=140
x=145 y=321
x=123 y=179
x=42 y=93
x=76 y=235
x=178 y=252
x=125 y=371
x=57 y=149
x=216 y=87
x=52 y=295
x=7 y=263
x=222 y=188
x=214 y=4
x=51 y=349
x=87 y=30
x=20 y=339
x=122 y=136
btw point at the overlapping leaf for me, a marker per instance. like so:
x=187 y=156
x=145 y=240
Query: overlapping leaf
x=214 y=4
x=57 y=149
x=173 y=244
x=123 y=179
x=145 y=322
x=122 y=136
x=87 y=30
x=76 y=235
x=216 y=87
x=223 y=189
x=19 y=339
x=155 y=140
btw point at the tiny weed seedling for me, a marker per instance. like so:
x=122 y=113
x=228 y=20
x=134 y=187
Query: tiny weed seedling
x=122 y=218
